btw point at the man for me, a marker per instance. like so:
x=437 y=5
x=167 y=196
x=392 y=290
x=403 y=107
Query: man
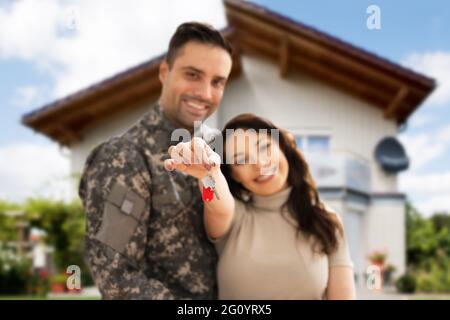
x=145 y=237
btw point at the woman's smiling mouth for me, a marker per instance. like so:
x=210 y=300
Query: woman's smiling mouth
x=266 y=174
x=263 y=178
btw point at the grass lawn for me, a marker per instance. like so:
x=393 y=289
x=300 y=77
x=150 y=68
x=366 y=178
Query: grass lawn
x=431 y=297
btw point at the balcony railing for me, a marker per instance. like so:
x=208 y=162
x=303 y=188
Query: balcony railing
x=340 y=170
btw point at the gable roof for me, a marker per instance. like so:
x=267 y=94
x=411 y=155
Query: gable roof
x=252 y=29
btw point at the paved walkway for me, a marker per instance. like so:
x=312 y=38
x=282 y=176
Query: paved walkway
x=390 y=293
x=86 y=293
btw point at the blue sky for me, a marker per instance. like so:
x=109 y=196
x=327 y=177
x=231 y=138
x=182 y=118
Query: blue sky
x=43 y=56
x=15 y=73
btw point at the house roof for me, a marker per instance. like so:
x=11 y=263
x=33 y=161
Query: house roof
x=252 y=30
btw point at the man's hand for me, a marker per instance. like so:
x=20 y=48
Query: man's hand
x=197 y=159
x=194 y=158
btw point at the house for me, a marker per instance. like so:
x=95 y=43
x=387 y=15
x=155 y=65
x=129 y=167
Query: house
x=344 y=105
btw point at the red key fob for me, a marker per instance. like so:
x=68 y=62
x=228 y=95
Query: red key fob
x=207 y=194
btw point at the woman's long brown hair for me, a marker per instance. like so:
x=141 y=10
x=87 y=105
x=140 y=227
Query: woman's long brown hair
x=303 y=202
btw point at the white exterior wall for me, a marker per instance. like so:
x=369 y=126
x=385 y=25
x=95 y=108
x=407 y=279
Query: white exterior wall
x=112 y=126
x=385 y=230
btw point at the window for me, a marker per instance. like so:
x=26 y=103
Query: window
x=318 y=144
x=313 y=143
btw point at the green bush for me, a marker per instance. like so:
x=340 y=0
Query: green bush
x=434 y=276
x=428 y=250
x=64 y=224
x=406 y=283
x=425 y=283
x=14 y=272
x=39 y=283
x=8 y=230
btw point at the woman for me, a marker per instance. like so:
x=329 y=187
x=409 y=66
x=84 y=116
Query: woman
x=274 y=237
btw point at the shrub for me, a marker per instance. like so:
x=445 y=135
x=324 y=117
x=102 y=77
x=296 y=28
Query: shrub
x=64 y=224
x=406 y=283
x=14 y=272
x=425 y=282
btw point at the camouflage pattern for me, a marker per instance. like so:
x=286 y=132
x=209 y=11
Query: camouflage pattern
x=145 y=237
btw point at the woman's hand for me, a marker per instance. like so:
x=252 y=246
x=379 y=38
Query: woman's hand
x=194 y=158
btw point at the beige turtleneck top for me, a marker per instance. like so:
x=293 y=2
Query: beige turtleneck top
x=263 y=257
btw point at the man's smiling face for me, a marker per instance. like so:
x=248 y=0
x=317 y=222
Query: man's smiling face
x=193 y=86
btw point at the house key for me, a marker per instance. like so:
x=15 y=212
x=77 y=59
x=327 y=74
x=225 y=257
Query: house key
x=209 y=189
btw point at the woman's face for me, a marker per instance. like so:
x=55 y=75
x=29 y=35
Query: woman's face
x=257 y=162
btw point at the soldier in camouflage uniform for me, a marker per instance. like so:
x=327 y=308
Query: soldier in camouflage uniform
x=144 y=233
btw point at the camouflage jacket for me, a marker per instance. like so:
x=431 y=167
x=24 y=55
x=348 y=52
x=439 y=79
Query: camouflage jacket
x=145 y=236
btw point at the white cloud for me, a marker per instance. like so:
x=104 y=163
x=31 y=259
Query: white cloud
x=430 y=183
x=436 y=65
x=27 y=28
x=78 y=43
x=420 y=120
x=34 y=170
x=26 y=97
x=82 y=42
x=435 y=203
x=422 y=148
x=430 y=192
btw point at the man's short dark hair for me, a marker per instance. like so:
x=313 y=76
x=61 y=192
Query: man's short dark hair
x=197 y=32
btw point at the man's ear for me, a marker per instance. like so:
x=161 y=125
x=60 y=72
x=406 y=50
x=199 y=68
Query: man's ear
x=163 y=70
